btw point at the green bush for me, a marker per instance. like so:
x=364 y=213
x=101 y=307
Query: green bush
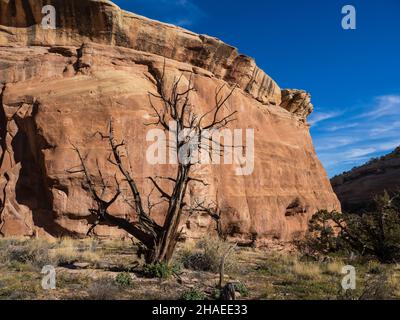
x=123 y=280
x=194 y=294
x=216 y=294
x=242 y=289
x=160 y=270
x=375 y=232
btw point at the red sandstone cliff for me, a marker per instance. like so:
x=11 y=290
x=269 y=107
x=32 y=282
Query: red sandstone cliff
x=63 y=85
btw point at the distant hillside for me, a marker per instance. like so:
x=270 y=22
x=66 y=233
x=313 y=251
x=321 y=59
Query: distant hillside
x=357 y=187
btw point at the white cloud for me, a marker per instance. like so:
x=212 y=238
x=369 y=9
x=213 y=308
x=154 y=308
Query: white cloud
x=388 y=128
x=357 y=134
x=384 y=106
x=333 y=142
x=357 y=153
x=343 y=126
x=322 y=116
x=389 y=146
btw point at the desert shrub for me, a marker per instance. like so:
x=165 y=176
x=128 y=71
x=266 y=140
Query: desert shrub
x=123 y=280
x=333 y=268
x=199 y=261
x=194 y=294
x=375 y=268
x=322 y=236
x=375 y=232
x=40 y=252
x=68 y=251
x=394 y=283
x=378 y=287
x=306 y=271
x=160 y=270
x=102 y=289
x=216 y=294
x=207 y=254
x=33 y=252
x=89 y=245
x=242 y=289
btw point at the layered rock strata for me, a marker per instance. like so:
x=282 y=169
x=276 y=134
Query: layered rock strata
x=60 y=86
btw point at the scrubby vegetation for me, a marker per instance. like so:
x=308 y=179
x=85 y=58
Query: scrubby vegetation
x=39 y=252
x=105 y=270
x=194 y=294
x=161 y=270
x=206 y=256
x=102 y=289
x=374 y=233
x=123 y=280
x=242 y=289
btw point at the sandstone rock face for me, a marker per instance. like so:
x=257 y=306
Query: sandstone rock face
x=59 y=87
x=357 y=187
x=297 y=102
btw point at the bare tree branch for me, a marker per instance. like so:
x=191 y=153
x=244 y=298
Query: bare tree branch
x=169 y=106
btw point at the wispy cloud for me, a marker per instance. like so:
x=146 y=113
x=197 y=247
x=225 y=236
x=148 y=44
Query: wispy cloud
x=390 y=145
x=341 y=127
x=386 y=129
x=351 y=138
x=357 y=153
x=333 y=142
x=384 y=106
x=322 y=116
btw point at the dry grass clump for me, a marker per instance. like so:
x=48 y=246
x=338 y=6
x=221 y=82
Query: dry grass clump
x=333 y=268
x=375 y=267
x=292 y=267
x=306 y=270
x=394 y=283
x=40 y=252
x=103 y=289
x=67 y=251
x=206 y=256
x=29 y=252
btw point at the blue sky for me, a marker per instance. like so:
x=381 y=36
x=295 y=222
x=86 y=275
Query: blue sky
x=352 y=75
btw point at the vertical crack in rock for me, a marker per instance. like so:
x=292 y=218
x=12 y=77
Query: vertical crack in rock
x=80 y=66
x=154 y=73
x=30 y=19
x=3 y=199
x=3 y=147
x=3 y=127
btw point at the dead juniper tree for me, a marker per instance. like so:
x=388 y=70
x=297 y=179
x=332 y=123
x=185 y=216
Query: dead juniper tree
x=175 y=114
x=227 y=292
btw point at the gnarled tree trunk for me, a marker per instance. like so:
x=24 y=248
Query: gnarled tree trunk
x=158 y=242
